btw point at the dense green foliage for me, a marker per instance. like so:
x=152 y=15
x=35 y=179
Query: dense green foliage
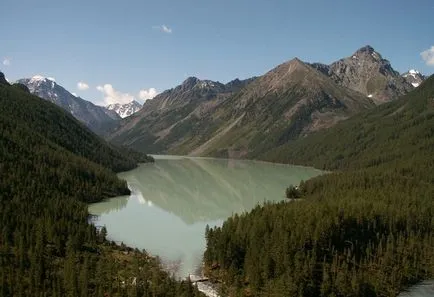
x=49 y=166
x=364 y=230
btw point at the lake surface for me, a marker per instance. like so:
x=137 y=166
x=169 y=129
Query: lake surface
x=424 y=289
x=174 y=199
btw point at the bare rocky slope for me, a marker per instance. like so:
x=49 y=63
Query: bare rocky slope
x=242 y=118
x=367 y=72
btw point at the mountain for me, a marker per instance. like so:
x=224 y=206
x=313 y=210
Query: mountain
x=414 y=77
x=367 y=72
x=363 y=229
x=164 y=120
x=240 y=119
x=97 y=118
x=125 y=110
x=401 y=128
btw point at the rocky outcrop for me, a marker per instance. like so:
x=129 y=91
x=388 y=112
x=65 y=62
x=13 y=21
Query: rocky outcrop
x=367 y=72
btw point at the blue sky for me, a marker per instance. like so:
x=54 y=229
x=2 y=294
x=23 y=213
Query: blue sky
x=124 y=47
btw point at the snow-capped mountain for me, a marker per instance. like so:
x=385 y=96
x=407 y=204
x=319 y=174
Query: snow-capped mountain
x=95 y=117
x=414 y=77
x=125 y=110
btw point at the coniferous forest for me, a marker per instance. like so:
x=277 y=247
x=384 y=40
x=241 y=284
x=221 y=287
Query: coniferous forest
x=364 y=230
x=51 y=166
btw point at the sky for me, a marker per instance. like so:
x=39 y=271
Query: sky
x=114 y=51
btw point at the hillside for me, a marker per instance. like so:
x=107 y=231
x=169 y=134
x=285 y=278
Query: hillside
x=49 y=165
x=167 y=119
x=364 y=230
x=49 y=122
x=398 y=130
x=210 y=119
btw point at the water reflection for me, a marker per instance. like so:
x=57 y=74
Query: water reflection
x=198 y=189
x=175 y=198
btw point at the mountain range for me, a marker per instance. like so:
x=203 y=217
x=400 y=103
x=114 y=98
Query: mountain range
x=247 y=118
x=95 y=117
x=242 y=118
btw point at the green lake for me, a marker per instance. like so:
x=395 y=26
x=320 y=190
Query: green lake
x=174 y=199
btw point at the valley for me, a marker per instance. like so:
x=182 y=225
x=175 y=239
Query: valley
x=310 y=178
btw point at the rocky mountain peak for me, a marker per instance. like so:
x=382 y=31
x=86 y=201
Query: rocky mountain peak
x=365 y=49
x=189 y=83
x=367 y=72
x=295 y=63
x=414 y=77
x=194 y=82
x=289 y=67
x=125 y=110
x=368 y=53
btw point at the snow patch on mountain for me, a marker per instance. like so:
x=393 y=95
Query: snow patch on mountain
x=414 y=77
x=125 y=110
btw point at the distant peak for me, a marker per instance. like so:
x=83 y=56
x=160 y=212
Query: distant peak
x=296 y=62
x=37 y=77
x=413 y=71
x=366 y=49
x=191 y=80
x=40 y=78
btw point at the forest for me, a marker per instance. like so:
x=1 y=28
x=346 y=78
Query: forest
x=365 y=229
x=51 y=166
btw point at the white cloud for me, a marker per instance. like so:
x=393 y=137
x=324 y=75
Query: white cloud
x=82 y=86
x=147 y=94
x=112 y=96
x=6 y=61
x=428 y=56
x=163 y=28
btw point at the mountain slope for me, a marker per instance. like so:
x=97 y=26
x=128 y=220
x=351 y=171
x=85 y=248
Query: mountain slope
x=288 y=102
x=202 y=118
x=125 y=110
x=387 y=132
x=364 y=230
x=164 y=120
x=367 y=72
x=93 y=116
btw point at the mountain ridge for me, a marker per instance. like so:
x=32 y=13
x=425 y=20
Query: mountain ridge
x=203 y=118
x=97 y=118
